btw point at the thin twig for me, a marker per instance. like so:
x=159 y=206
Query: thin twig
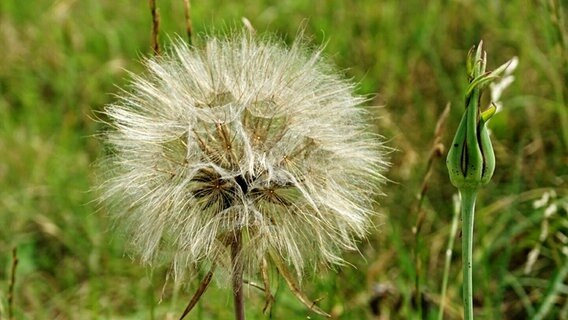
x=254 y=285
x=203 y=285
x=187 y=11
x=295 y=288
x=155 y=27
x=435 y=153
x=12 y=284
x=448 y=259
x=269 y=298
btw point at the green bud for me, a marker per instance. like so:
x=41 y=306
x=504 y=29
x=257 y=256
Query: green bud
x=466 y=159
x=471 y=159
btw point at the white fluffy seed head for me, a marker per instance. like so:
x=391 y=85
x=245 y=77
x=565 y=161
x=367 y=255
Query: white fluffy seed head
x=242 y=135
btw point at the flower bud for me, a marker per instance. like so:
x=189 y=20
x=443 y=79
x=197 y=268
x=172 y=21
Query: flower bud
x=471 y=160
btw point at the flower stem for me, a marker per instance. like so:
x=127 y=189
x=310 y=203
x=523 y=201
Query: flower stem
x=238 y=296
x=468 y=197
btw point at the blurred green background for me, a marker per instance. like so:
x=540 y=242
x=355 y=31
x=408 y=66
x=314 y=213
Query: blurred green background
x=61 y=61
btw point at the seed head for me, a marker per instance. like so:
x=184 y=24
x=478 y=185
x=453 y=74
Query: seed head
x=241 y=134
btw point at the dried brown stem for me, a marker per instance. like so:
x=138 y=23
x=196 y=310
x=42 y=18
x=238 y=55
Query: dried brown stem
x=269 y=298
x=199 y=292
x=435 y=153
x=295 y=288
x=155 y=27
x=187 y=11
x=12 y=284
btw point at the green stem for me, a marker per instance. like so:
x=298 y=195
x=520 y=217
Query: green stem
x=468 y=197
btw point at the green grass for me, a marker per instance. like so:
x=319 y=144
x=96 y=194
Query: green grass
x=61 y=62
